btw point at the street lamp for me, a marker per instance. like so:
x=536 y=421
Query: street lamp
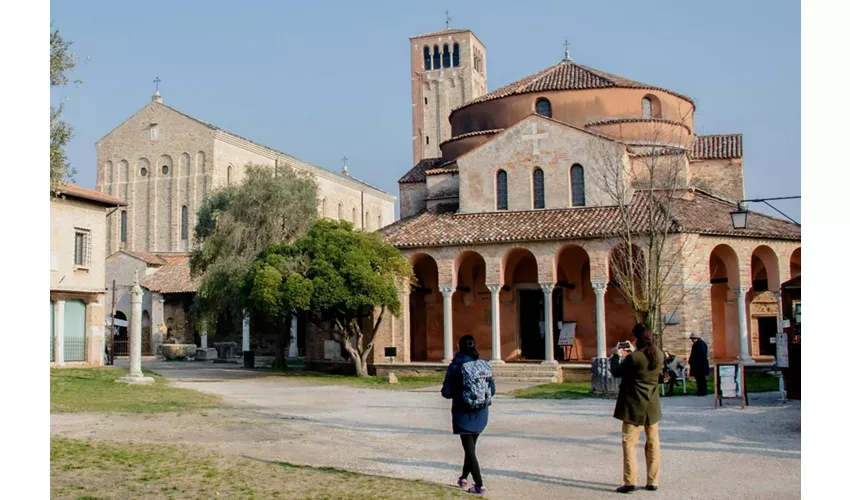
x=740 y=217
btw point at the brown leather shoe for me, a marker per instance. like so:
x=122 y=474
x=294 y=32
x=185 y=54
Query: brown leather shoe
x=651 y=487
x=627 y=488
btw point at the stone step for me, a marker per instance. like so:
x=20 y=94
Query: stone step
x=527 y=380
x=532 y=368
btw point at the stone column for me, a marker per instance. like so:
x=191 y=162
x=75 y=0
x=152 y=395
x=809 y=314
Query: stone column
x=599 y=288
x=204 y=336
x=405 y=356
x=779 y=316
x=59 y=332
x=496 y=358
x=246 y=331
x=742 y=325
x=293 y=337
x=135 y=376
x=448 y=342
x=548 y=337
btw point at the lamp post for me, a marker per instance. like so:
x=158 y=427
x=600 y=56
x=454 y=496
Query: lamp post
x=740 y=217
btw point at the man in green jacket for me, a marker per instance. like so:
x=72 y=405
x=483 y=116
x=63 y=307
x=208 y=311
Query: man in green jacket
x=639 y=405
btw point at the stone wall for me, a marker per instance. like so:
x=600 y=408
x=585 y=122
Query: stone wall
x=412 y=199
x=724 y=178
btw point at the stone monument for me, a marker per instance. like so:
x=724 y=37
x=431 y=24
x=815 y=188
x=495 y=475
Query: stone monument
x=135 y=376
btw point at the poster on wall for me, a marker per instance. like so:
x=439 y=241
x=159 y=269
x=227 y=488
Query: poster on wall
x=567 y=334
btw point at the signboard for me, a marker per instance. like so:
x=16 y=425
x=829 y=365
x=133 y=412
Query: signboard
x=729 y=383
x=567 y=335
x=782 y=350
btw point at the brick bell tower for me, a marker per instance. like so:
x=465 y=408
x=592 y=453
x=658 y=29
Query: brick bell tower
x=448 y=68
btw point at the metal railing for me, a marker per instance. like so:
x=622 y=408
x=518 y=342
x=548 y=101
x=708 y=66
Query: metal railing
x=122 y=348
x=74 y=349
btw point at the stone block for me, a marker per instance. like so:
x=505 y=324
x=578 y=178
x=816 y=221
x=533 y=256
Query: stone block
x=205 y=353
x=177 y=351
x=391 y=378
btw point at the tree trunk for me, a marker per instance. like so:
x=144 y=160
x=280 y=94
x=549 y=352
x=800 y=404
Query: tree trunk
x=282 y=341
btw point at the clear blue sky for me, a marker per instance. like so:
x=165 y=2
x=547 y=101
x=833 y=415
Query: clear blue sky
x=325 y=79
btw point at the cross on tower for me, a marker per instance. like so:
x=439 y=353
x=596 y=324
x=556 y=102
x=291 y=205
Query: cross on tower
x=447 y=19
x=535 y=138
x=567 y=50
x=344 y=159
x=156 y=81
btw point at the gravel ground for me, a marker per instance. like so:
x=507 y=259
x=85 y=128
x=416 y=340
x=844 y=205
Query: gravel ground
x=531 y=449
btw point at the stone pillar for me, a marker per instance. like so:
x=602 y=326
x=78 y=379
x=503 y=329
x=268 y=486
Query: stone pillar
x=158 y=328
x=548 y=337
x=742 y=325
x=779 y=316
x=59 y=332
x=405 y=356
x=204 y=336
x=599 y=288
x=448 y=342
x=293 y=337
x=496 y=326
x=246 y=331
x=135 y=376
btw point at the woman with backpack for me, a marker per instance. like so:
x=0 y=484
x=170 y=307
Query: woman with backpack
x=469 y=384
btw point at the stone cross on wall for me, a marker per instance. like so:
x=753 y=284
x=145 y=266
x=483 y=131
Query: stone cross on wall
x=535 y=138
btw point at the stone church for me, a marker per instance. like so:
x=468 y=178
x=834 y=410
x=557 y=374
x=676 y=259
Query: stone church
x=163 y=163
x=509 y=219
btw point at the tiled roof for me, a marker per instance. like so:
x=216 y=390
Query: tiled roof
x=636 y=119
x=473 y=134
x=696 y=212
x=445 y=168
x=566 y=75
x=707 y=147
x=81 y=193
x=173 y=277
x=149 y=258
x=417 y=173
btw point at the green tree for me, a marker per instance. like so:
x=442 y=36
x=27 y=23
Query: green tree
x=62 y=61
x=236 y=224
x=355 y=278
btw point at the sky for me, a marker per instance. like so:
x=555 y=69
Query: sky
x=325 y=79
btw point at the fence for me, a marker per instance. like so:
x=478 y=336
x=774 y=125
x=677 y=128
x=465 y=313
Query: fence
x=122 y=348
x=74 y=349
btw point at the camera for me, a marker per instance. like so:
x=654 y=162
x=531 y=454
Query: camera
x=626 y=346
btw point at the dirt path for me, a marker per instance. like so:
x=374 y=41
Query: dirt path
x=532 y=448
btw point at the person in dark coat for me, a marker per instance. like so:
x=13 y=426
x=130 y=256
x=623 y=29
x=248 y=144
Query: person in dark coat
x=639 y=405
x=698 y=362
x=466 y=422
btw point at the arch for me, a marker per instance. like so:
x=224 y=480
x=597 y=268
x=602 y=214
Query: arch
x=574 y=299
x=543 y=107
x=436 y=57
x=184 y=222
x=201 y=163
x=470 y=270
x=123 y=171
x=796 y=263
x=143 y=167
x=724 y=275
x=646 y=107
x=107 y=173
x=521 y=288
x=366 y=221
x=75 y=330
x=324 y=207
x=764 y=269
x=447 y=56
x=519 y=266
x=650 y=107
x=339 y=211
x=456 y=55
x=184 y=165
x=229 y=174
x=354 y=216
x=165 y=164
x=577 y=185
x=123 y=226
x=121 y=331
x=427 y=86
x=501 y=190
x=427 y=58
x=538 y=188
x=426 y=319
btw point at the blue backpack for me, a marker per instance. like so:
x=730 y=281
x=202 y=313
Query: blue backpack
x=476 y=377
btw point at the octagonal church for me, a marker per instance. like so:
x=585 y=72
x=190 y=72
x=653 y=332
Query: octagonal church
x=517 y=199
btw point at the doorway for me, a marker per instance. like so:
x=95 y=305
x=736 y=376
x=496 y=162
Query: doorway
x=530 y=317
x=767 y=331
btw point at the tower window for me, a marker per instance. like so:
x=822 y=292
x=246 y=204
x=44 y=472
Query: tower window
x=123 y=226
x=447 y=57
x=143 y=172
x=426 y=101
x=436 y=57
x=543 y=107
x=427 y=58
x=229 y=173
x=184 y=223
x=539 y=201
x=577 y=185
x=154 y=131
x=646 y=107
x=501 y=190
x=165 y=170
x=427 y=140
x=456 y=54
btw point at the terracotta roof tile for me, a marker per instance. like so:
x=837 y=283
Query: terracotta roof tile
x=473 y=134
x=699 y=213
x=706 y=147
x=445 y=168
x=149 y=258
x=636 y=119
x=417 y=173
x=79 y=192
x=566 y=75
x=173 y=277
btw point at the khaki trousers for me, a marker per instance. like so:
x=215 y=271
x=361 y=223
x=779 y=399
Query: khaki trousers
x=652 y=451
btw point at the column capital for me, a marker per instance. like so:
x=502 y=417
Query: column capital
x=599 y=286
x=446 y=289
x=740 y=291
x=547 y=287
x=494 y=289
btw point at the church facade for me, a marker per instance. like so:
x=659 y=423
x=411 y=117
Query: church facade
x=511 y=227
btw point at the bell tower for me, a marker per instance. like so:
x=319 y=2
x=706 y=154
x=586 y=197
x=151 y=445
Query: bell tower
x=448 y=68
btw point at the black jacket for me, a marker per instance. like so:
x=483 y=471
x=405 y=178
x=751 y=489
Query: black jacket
x=699 y=359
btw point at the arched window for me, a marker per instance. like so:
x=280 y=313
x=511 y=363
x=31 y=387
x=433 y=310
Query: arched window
x=502 y=190
x=339 y=211
x=543 y=107
x=447 y=56
x=123 y=226
x=456 y=54
x=184 y=223
x=229 y=174
x=646 y=107
x=577 y=185
x=324 y=207
x=539 y=201
x=427 y=58
x=354 y=216
x=436 y=57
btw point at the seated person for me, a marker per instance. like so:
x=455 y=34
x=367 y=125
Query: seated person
x=672 y=367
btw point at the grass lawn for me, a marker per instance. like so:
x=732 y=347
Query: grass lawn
x=83 y=469
x=576 y=390
x=404 y=383
x=95 y=390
